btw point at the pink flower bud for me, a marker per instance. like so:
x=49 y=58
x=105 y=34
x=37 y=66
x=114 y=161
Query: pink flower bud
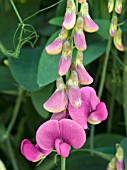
x=56 y=46
x=70 y=15
x=119 y=158
x=112 y=164
x=81 y=1
x=118 y=40
x=113 y=26
x=65 y=59
x=74 y=93
x=83 y=75
x=118 y=6
x=58 y=101
x=110 y=5
x=79 y=37
x=89 y=24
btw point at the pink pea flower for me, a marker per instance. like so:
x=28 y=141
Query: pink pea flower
x=62 y=135
x=79 y=37
x=83 y=75
x=119 y=158
x=110 y=5
x=65 y=59
x=31 y=152
x=70 y=15
x=113 y=26
x=58 y=101
x=118 y=40
x=118 y=6
x=56 y=46
x=89 y=25
x=58 y=116
x=74 y=93
x=91 y=109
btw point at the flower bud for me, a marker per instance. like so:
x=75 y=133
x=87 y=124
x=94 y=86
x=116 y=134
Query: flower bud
x=70 y=15
x=65 y=59
x=118 y=6
x=119 y=158
x=83 y=75
x=110 y=5
x=79 y=37
x=113 y=26
x=74 y=93
x=58 y=101
x=89 y=24
x=81 y=1
x=118 y=40
x=56 y=46
x=112 y=164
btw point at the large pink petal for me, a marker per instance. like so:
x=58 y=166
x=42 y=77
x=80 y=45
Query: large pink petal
x=100 y=114
x=79 y=40
x=79 y=114
x=72 y=133
x=47 y=133
x=69 y=20
x=89 y=96
x=30 y=151
x=59 y=116
x=57 y=102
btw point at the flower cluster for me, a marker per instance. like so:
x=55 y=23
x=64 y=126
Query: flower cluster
x=72 y=107
x=117 y=162
x=115 y=31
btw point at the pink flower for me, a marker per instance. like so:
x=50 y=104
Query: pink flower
x=83 y=75
x=31 y=152
x=79 y=37
x=62 y=135
x=74 y=94
x=70 y=15
x=56 y=46
x=89 y=24
x=118 y=40
x=113 y=26
x=118 y=6
x=65 y=59
x=91 y=109
x=58 y=101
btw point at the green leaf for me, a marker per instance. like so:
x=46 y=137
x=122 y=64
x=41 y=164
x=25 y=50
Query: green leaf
x=7 y=82
x=56 y=21
x=39 y=97
x=24 y=69
x=48 y=64
x=104 y=25
x=124 y=146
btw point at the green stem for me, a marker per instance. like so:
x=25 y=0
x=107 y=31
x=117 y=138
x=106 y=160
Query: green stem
x=63 y=163
x=16 y=110
x=76 y=7
x=16 y=11
x=92 y=129
x=11 y=154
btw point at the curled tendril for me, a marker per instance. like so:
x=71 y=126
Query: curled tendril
x=26 y=34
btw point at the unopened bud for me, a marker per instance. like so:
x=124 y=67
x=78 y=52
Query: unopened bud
x=81 y=1
x=118 y=40
x=118 y=6
x=112 y=164
x=113 y=26
x=110 y=5
x=119 y=158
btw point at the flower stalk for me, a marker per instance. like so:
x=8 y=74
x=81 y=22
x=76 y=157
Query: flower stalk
x=63 y=163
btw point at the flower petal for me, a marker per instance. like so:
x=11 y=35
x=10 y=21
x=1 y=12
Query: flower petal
x=30 y=151
x=72 y=133
x=47 y=133
x=59 y=116
x=79 y=114
x=69 y=20
x=100 y=114
x=80 y=40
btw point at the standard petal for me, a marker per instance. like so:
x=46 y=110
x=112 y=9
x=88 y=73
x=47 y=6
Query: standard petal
x=100 y=114
x=30 y=151
x=47 y=133
x=57 y=102
x=59 y=116
x=80 y=40
x=89 y=96
x=72 y=133
x=69 y=20
x=80 y=114
x=89 y=24
x=55 y=47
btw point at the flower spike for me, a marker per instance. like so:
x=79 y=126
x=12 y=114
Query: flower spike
x=65 y=59
x=70 y=15
x=56 y=46
x=58 y=101
x=118 y=40
x=79 y=37
x=83 y=75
